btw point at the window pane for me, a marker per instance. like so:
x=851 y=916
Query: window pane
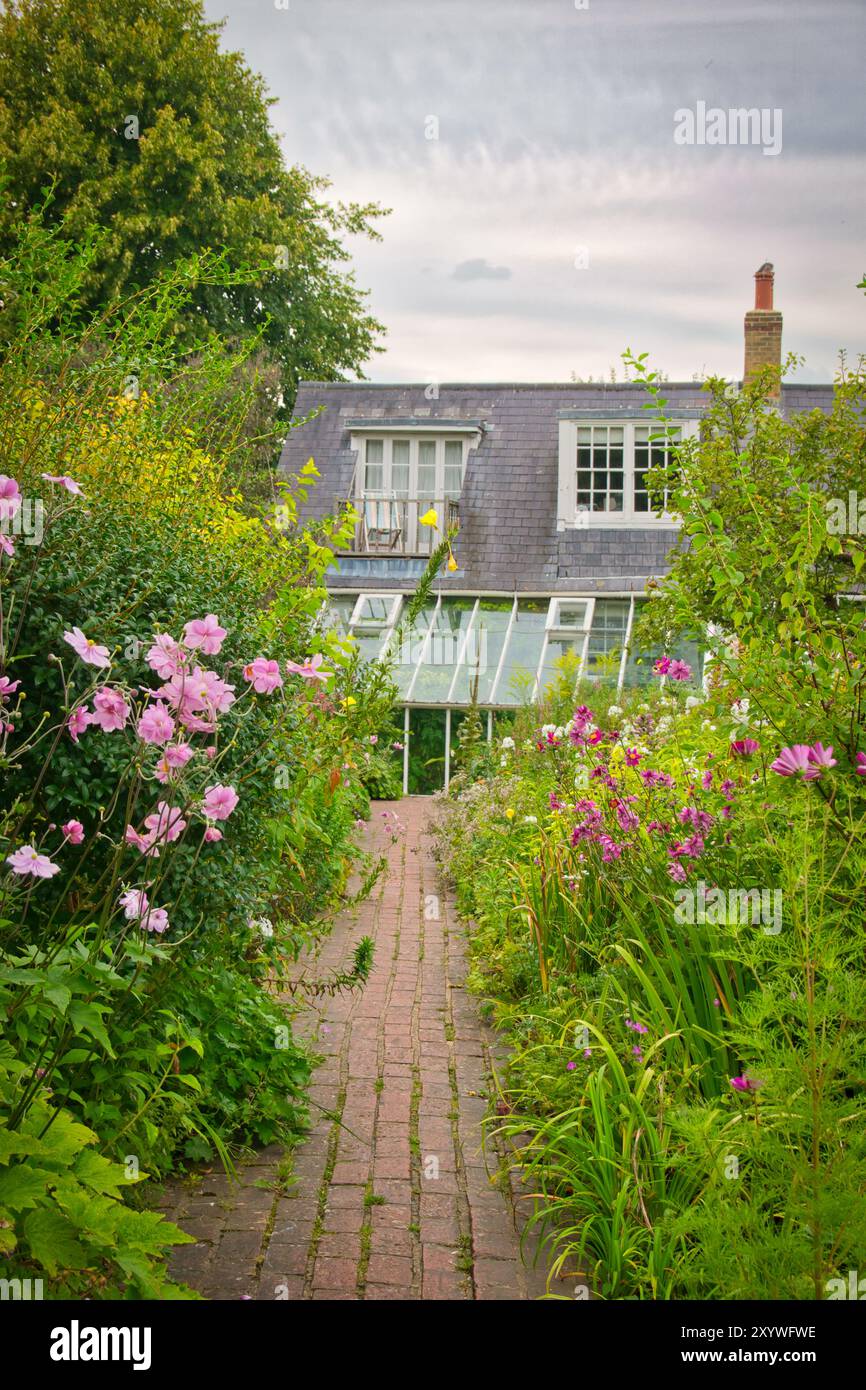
x=561 y=662
x=516 y=681
x=374 y=472
x=442 y=650
x=400 y=467
x=340 y=609
x=427 y=469
x=409 y=652
x=374 y=609
x=607 y=636
x=570 y=613
x=484 y=649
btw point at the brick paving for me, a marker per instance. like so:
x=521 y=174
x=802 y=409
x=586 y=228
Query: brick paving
x=395 y=1196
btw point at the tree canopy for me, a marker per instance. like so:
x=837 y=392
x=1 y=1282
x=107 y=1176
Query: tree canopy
x=139 y=123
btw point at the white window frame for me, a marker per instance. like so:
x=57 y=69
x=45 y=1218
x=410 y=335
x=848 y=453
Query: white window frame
x=568 y=517
x=414 y=438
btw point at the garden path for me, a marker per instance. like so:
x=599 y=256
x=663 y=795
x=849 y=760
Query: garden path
x=395 y=1196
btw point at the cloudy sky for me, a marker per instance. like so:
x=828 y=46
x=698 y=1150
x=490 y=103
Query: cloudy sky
x=554 y=221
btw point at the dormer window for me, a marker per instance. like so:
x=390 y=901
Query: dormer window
x=414 y=467
x=405 y=470
x=603 y=467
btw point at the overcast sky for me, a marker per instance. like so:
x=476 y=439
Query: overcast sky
x=555 y=222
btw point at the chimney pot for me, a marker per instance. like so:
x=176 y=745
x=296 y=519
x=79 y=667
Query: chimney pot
x=764 y=286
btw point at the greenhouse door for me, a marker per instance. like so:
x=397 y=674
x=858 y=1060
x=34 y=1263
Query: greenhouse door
x=425 y=751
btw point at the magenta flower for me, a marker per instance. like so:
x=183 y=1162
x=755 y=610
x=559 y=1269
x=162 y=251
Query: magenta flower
x=28 y=860
x=744 y=747
x=110 y=710
x=679 y=671
x=792 y=760
x=263 y=675
x=65 y=481
x=627 y=819
x=637 y=1052
x=632 y=757
x=677 y=872
x=860 y=769
x=205 y=635
x=7 y=687
x=78 y=721
x=156 y=724
x=570 y=1066
x=820 y=759
x=10 y=497
x=219 y=802
x=309 y=670
x=662 y=666
x=74 y=831
x=745 y=1083
x=166 y=657
x=86 y=649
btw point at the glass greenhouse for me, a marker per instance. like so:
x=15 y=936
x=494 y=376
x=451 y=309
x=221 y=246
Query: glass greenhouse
x=503 y=650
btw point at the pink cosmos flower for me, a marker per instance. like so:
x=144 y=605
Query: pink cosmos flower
x=263 y=675
x=744 y=747
x=86 y=649
x=662 y=666
x=7 y=687
x=792 y=760
x=10 y=497
x=166 y=657
x=679 y=671
x=745 y=1083
x=310 y=670
x=219 y=802
x=7 y=545
x=156 y=724
x=74 y=831
x=860 y=769
x=204 y=634
x=820 y=759
x=78 y=722
x=211 y=834
x=110 y=710
x=65 y=481
x=28 y=860
x=632 y=757
x=626 y=819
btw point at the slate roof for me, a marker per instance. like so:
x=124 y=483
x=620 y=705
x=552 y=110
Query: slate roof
x=508 y=537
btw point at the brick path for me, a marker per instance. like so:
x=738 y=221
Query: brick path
x=395 y=1197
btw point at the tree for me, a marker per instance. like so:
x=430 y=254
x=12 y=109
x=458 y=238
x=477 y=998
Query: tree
x=136 y=121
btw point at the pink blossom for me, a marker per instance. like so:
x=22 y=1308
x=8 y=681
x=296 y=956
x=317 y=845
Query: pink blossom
x=78 y=721
x=165 y=824
x=820 y=759
x=74 y=831
x=263 y=675
x=86 y=648
x=210 y=751
x=7 y=687
x=110 y=710
x=10 y=497
x=134 y=903
x=860 y=769
x=175 y=756
x=662 y=666
x=309 y=670
x=627 y=819
x=143 y=843
x=680 y=671
x=166 y=657
x=7 y=545
x=632 y=757
x=211 y=834
x=745 y=747
x=677 y=872
x=745 y=1083
x=204 y=634
x=155 y=919
x=792 y=760
x=65 y=481
x=28 y=860
x=219 y=802
x=156 y=724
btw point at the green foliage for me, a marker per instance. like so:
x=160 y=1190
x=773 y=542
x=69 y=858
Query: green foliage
x=169 y=150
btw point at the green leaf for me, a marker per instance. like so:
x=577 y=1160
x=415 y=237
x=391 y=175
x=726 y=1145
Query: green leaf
x=52 y=1241
x=23 y=1186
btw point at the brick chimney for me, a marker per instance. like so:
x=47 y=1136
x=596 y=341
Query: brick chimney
x=763 y=328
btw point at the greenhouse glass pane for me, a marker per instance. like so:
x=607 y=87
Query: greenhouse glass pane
x=411 y=646
x=607 y=636
x=640 y=662
x=441 y=651
x=370 y=645
x=517 y=678
x=483 y=650
x=340 y=609
x=375 y=610
x=556 y=664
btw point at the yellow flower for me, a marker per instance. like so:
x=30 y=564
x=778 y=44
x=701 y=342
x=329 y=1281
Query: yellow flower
x=509 y=814
x=348 y=702
x=452 y=563
x=429 y=518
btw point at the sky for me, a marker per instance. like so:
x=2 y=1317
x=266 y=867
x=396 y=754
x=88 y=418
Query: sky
x=549 y=207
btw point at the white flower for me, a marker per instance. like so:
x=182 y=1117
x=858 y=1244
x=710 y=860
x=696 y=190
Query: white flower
x=692 y=701
x=507 y=743
x=740 y=711
x=530 y=820
x=548 y=729
x=613 y=712
x=263 y=925
x=664 y=723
